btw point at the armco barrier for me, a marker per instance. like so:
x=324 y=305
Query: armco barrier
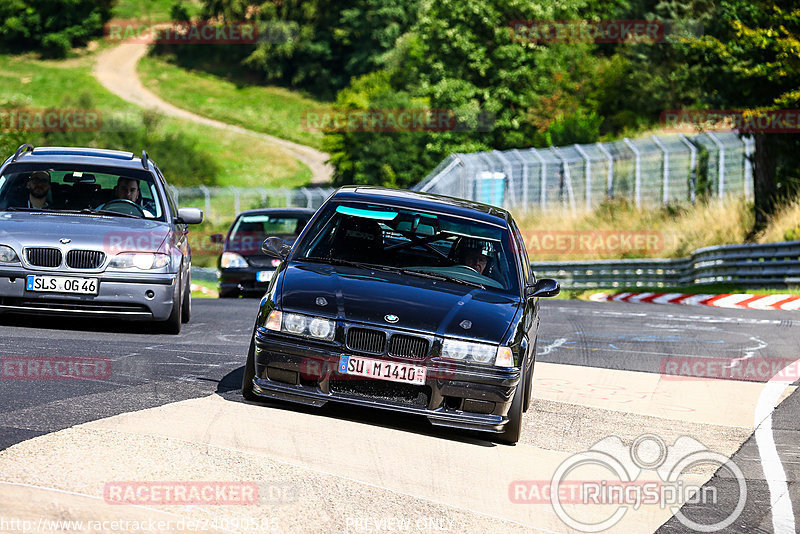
x=769 y=264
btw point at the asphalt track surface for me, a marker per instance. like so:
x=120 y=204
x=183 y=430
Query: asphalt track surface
x=170 y=410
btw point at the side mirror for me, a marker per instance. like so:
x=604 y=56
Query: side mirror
x=217 y=239
x=190 y=215
x=544 y=287
x=276 y=247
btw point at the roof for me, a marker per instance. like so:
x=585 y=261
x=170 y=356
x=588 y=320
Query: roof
x=422 y=201
x=78 y=155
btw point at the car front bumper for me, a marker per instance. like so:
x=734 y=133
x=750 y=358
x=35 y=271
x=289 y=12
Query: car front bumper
x=244 y=281
x=455 y=395
x=139 y=296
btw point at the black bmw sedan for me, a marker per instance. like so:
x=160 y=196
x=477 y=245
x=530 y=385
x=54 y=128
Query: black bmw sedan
x=402 y=301
x=243 y=269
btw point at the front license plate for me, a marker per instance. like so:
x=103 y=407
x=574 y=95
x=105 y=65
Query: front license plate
x=382 y=370
x=264 y=276
x=61 y=284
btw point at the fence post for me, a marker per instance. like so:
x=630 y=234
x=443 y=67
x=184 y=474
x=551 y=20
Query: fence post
x=692 y=166
x=236 y=199
x=749 y=148
x=309 y=199
x=721 y=164
x=637 y=172
x=588 y=171
x=207 y=195
x=664 y=150
x=566 y=176
x=542 y=192
x=604 y=150
x=524 y=179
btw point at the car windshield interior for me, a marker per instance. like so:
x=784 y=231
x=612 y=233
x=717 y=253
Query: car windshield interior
x=259 y=227
x=66 y=189
x=428 y=245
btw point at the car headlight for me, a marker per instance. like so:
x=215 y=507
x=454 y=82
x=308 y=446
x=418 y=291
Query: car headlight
x=232 y=260
x=7 y=254
x=139 y=260
x=301 y=325
x=476 y=352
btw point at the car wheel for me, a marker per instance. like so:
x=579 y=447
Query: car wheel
x=186 y=308
x=529 y=382
x=513 y=428
x=249 y=373
x=173 y=323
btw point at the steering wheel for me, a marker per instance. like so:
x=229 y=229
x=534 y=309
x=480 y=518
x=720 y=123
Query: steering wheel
x=473 y=269
x=124 y=204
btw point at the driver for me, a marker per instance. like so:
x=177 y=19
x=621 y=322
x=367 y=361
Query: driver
x=128 y=189
x=475 y=254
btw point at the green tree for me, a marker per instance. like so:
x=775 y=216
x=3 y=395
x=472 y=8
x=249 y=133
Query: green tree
x=51 y=26
x=750 y=60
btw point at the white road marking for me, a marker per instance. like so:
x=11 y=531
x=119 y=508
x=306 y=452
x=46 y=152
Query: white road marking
x=775 y=475
x=555 y=344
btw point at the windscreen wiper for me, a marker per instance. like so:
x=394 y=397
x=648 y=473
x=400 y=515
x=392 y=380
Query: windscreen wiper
x=444 y=277
x=109 y=212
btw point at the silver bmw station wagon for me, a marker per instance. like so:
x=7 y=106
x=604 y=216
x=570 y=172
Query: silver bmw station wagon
x=93 y=233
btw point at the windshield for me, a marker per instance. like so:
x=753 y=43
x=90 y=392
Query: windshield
x=249 y=231
x=430 y=245
x=65 y=188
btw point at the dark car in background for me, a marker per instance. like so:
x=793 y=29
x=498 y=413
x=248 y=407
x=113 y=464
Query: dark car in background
x=404 y=301
x=93 y=233
x=243 y=269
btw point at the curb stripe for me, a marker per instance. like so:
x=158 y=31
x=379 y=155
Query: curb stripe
x=785 y=302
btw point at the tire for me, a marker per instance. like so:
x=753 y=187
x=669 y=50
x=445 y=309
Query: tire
x=173 y=323
x=529 y=382
x=249 y=374
x=513 y=429
x=186 y=307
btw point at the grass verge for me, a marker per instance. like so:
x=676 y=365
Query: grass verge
x=235 y=159
x=271 y=110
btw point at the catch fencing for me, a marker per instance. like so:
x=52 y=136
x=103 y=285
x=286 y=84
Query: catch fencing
x=759 y=265
x=221 y=204
x=647 y=171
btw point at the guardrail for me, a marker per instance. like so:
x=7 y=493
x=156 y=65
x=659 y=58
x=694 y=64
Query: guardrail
x=762 y=265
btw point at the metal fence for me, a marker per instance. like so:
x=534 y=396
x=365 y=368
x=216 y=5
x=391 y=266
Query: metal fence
x=221 y=204
x=771 y=264
x=652 y=170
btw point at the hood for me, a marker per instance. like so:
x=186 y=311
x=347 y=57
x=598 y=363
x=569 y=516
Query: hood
x=431 y=306
x=113 y=234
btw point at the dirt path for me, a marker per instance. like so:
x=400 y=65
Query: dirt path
x=115 y=68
